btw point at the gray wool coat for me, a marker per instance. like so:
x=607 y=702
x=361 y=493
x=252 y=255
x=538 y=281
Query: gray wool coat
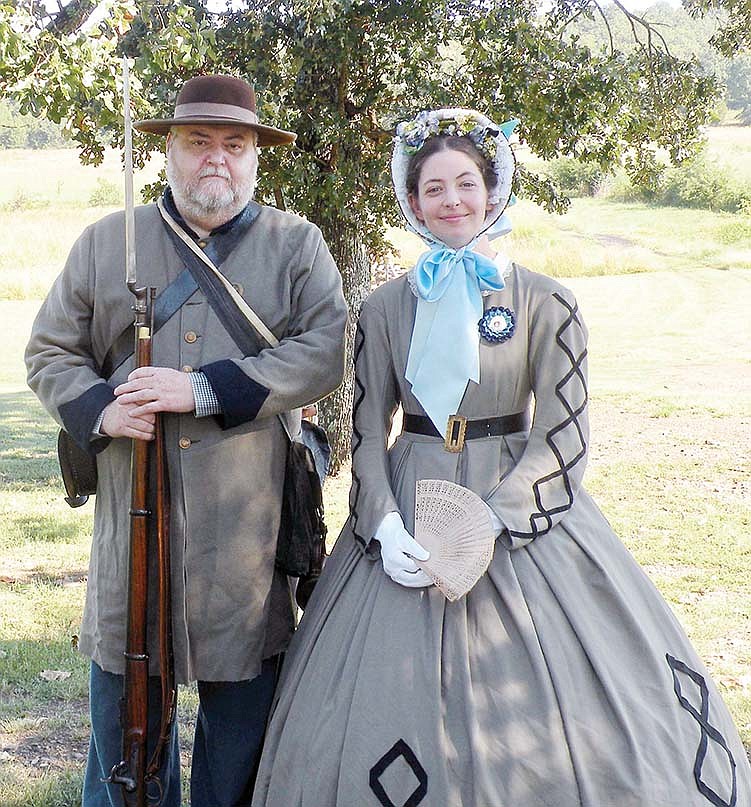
x=230 y=608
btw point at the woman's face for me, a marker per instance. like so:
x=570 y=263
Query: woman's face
x=451 y=199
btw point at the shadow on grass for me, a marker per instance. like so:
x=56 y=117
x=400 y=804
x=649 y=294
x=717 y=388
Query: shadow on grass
x=27 y=440
x=67 y=578
x=43 y=528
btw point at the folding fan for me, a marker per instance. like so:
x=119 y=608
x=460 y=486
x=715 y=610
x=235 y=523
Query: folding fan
x=453 y=524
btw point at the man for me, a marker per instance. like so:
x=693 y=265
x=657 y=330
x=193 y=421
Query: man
x=231 y=612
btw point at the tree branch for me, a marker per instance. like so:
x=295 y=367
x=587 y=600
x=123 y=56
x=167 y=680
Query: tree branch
x=633 y=19
x=607 y=26
x=71 y=17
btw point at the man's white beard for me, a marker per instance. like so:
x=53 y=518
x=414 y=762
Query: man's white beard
x=216 y=201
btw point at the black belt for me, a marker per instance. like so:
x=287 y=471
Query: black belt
x=460 y=429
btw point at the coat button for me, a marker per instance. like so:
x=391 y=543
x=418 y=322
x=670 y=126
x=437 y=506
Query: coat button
x=186 y=368
x=239 y=288
x=184 y=442
x=190 y=337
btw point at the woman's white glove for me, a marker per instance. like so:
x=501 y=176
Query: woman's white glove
x=399 y=551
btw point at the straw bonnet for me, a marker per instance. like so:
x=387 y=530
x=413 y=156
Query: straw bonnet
x=491 y=140
x=217 y=101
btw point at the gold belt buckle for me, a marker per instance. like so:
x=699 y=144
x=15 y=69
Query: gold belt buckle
x=455 y=429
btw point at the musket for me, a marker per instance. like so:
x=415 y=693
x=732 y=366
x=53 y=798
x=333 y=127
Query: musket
x=149 y=519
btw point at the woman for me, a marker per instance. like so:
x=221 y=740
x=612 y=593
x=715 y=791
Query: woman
x=562 y=677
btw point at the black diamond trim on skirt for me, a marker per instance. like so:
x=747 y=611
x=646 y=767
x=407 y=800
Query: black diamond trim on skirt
x=399 y=749
x=708 y=732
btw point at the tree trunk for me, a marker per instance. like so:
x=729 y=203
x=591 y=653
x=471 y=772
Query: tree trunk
x=350 y=255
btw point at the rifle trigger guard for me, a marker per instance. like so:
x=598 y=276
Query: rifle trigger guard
x=118 y=777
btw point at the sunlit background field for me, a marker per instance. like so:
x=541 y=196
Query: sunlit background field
x=665 y=292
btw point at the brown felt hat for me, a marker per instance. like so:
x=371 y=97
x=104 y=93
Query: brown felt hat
x=217 y=101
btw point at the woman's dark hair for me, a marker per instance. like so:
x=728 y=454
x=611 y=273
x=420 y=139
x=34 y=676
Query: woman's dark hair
x=442 y=143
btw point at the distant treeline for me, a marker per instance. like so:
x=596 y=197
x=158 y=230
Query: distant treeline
x=686 y=37
x=699 y=183
x=27 y=132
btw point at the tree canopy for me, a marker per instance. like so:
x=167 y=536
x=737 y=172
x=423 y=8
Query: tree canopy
x=341 y=73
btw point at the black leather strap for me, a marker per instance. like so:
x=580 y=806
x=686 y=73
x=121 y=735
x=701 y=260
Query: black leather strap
x=166 y=304
x=187 y=282
x=241 y=331
x=490 y=427
x=234 y=322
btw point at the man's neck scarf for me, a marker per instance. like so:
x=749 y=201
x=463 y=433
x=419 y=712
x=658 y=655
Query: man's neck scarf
x=444 y=353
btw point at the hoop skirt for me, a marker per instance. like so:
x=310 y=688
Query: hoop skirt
x=561 y=680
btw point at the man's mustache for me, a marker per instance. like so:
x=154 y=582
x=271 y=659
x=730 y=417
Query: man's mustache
x=214 y=172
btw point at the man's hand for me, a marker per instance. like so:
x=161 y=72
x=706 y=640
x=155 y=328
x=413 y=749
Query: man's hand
x=119 y=421
x=150 y=390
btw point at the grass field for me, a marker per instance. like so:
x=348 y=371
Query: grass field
x=730 y=147
x=666 y=301
x=44 y=202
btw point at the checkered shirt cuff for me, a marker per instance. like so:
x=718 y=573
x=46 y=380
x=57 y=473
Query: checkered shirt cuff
x=97 y=432
x=203 y=393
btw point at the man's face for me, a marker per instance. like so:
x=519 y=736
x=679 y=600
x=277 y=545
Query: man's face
x=211 y=170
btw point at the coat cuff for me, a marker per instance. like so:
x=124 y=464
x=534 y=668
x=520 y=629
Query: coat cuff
x=241 y=397
x=80 y=415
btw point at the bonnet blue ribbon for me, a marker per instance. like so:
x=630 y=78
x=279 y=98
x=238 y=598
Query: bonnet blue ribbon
x=444 y=353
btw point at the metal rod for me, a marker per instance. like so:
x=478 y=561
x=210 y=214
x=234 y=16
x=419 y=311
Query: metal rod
x=130 y=219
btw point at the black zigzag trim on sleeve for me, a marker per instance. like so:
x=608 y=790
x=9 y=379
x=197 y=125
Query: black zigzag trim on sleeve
x=359 y=397
x=542 y=521
x=708 y=731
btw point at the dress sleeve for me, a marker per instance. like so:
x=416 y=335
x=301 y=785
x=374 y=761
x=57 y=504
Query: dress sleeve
x=61 y=367
x=374 y=406
x=542 y=486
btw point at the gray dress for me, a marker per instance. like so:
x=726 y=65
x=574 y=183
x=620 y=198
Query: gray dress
x=562 y=679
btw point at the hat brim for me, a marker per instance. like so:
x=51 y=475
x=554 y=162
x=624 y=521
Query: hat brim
x=267 y=135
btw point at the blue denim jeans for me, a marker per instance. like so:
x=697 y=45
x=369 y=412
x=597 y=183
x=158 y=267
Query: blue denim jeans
x=227 y=744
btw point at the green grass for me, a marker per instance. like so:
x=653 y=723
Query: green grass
x=730 y=147
x=598 y=237
x=55 y=177
x=670 y=460
x=670 y=466
x=61 y=791
x=45 y=202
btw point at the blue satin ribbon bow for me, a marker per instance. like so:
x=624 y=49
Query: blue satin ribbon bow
x=444 y=352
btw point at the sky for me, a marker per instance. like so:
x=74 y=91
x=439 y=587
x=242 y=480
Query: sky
x=631 y=5
x=640 y=5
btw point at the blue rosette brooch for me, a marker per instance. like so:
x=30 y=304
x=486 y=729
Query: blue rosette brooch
x=497 y=325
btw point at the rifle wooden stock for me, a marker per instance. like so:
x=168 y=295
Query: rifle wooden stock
x=136 y=707
x=132 y=772
x=166 y=660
